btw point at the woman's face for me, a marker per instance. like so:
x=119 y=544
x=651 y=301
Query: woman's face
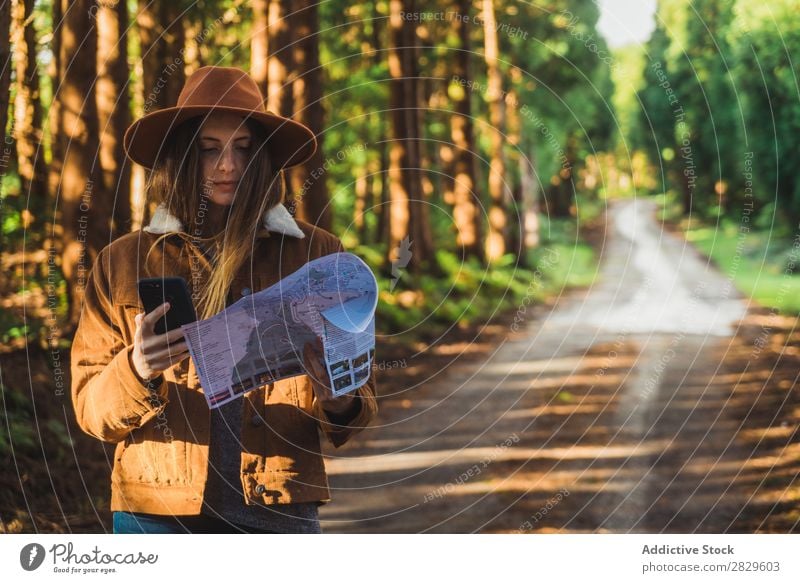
x=224 y=154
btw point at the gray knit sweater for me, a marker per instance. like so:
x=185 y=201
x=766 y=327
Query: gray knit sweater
x=224 y=497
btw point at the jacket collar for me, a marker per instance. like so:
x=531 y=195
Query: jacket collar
x=277 y=220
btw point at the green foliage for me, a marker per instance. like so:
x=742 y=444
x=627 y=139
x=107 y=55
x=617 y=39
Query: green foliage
x=564 y=259
x=766 y=38
x=719 y=101
x=421 y=307
x=17 y=429
x=568 y=87
x=763 y=263
x=654 y=133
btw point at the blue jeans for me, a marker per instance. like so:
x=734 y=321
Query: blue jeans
x=140 y=523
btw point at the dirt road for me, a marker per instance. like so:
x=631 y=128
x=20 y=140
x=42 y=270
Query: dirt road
x=658 y=400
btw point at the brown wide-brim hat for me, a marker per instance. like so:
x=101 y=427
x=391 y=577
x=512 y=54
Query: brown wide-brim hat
x=220 y=89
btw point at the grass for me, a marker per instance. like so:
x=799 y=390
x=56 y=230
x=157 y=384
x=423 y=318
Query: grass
x=421 y=307
x=762 y=261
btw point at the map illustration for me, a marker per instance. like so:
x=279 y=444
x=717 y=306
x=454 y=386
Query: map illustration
x=260 y=339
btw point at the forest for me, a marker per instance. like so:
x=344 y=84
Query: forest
x=468 y=152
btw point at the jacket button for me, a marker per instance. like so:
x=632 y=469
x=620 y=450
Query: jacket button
x=256 y=421
x=260 y=489
x=246 y=291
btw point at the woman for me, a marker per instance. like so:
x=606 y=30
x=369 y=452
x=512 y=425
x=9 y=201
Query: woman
x=253 y=465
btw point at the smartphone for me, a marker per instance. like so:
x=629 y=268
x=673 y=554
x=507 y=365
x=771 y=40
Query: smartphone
x=155 y=291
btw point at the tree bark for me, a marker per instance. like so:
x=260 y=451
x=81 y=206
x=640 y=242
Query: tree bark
x=54 y=117
x=281 y=59
x=83 y=234
x=5 y=78
x=363 y=184
x=515 y=214
x=496 y=240
x=466 y=203
x=409 y=231
x=382 y=197
x=259 y=44
x=530 y=199
x=28 y=111
x=195 y=33
x=113 y=111
x=162 y=38
x=310 y=191
x=564 y=188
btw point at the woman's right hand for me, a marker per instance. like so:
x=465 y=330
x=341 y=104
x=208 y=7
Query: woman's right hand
x=154 y=353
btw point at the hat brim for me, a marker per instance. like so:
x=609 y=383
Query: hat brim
x=289 y=143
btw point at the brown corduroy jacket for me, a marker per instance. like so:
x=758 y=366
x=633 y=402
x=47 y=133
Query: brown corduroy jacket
x=162 y=437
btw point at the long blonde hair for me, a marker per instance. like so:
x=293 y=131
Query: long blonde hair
x=176 y=182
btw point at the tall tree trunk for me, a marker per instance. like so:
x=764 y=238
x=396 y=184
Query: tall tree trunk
x=498 y=223
x=5 y=76
x=281 y=59
x=516 y=239
x=466 y=204
x=384 y=199
x=83 y=233
x=307 y=104
x=362 y=192
x=113 y=110
x=28 y=111
x=195 y=33
x=529 y=185
x=54 y=117
x=564 y=188
x=379 y=121
x=409 y=232
x=280 y=67
x=259 y=43
x=162 y=38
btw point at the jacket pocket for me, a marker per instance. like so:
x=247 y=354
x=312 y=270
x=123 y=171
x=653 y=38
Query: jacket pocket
x=290 y=434
x=155 y=453
x=126 y=304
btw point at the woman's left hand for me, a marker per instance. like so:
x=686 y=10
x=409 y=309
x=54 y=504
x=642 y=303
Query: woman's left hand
x=321 y=382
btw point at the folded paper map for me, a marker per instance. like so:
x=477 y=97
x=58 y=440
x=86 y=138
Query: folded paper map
x=259 y=339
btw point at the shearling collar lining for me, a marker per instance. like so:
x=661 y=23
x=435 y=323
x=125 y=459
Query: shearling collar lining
x=277 y=220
